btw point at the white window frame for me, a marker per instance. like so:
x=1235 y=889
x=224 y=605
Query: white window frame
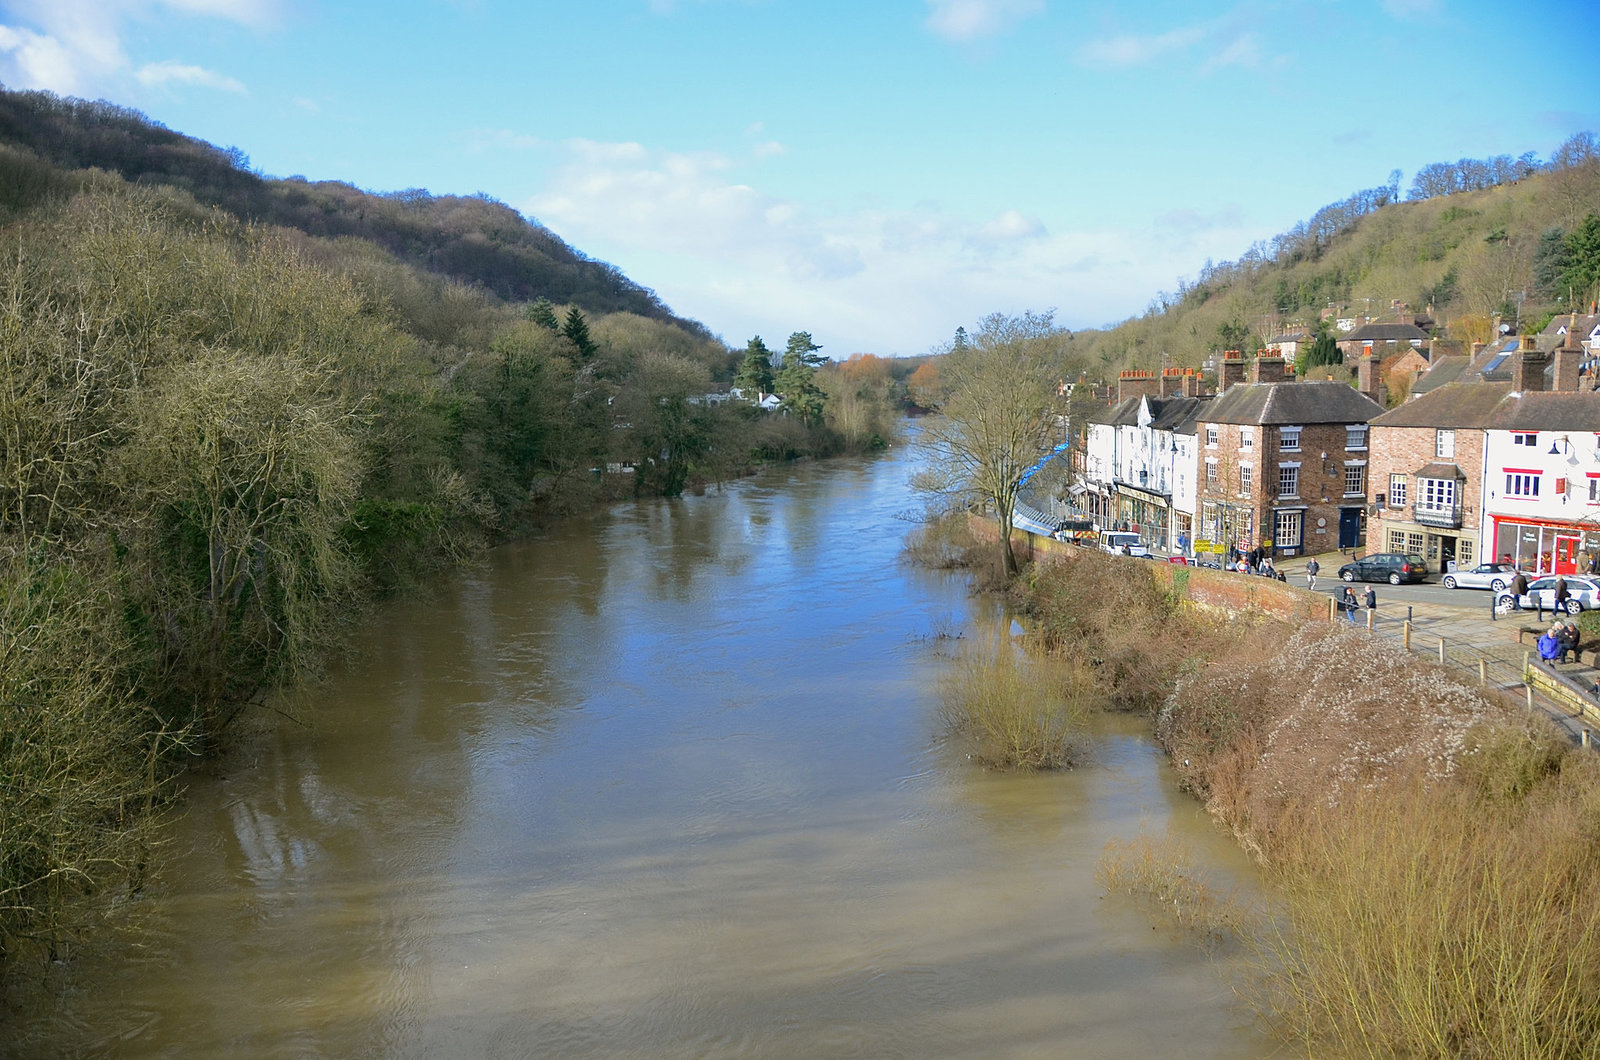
x=1359 y=469
x=1288 y=476
x=1444 y=443
x=1397 y=491
x=1291 y=519
x=1436 y=494
x=1247 y=439
x=1355 y=437
x=1246 y=479
x=1289 y=439
x=1211 y=436
x=1525 y=438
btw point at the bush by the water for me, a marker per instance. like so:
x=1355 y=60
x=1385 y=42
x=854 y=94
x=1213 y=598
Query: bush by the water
x=1017 y=712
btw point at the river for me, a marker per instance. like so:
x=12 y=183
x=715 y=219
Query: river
x=669 y=781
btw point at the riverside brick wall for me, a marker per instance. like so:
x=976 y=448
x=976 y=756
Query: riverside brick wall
x=1225 y=590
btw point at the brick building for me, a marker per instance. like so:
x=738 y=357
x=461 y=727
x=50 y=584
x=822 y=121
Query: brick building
x=1427 y=474
x=1284 y=464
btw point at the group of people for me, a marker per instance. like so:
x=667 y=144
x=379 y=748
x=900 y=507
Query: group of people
x=1350 y=605
x=1255 y=561
x=1559 y=640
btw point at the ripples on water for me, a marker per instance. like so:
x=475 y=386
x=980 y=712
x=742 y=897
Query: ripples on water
x=664 y=782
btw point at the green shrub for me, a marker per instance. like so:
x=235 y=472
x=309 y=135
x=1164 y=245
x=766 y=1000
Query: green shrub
x=1018 y=713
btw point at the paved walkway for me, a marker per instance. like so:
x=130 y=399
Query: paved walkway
x=1470 y=632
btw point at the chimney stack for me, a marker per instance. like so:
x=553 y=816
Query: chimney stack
x=1136 y=382
x=1367 y=378
x=1568 y=357
x=1477 y=348
x=1527 y=367
x=1171 y=382
x=1230 y=370
x=1191 y=382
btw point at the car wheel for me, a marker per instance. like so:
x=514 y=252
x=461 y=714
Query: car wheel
x=1574 y=607
x=1394 y=579
x=1497 y=585
x=1502 y=606
x=1348 y=575
x=1449 y=582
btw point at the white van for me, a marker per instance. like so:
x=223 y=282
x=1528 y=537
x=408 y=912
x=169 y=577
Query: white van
x=1123 y=543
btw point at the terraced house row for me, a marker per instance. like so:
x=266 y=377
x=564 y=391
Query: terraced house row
x=1495 y=454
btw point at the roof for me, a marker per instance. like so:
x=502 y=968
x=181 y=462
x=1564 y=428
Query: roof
x=1496 y=407
x=1439 y=470
x=1166 y=413
x=1451 y=405
x=1587 y=323
x=1385 y=333
x=1174 y=412
x=1300 y=403
x=1562 y=410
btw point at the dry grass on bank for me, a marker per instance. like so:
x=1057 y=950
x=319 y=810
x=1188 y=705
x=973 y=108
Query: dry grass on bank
x=1109 y=612
x=1420 y=920
x=1017 y=712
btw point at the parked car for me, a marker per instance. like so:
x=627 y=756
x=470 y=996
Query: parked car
x=1583 y=594
x=1494 y=576
x=1391 y=567
x=1123 y=543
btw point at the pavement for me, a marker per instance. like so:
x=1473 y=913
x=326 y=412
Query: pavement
x=1470 y=633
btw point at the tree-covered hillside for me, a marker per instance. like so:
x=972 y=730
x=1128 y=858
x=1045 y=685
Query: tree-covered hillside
x=472 y=240
x=1472 y=241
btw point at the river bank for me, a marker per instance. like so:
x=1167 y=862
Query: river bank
x=1431 y=848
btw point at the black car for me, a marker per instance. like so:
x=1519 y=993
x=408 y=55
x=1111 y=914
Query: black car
x=1391 y=567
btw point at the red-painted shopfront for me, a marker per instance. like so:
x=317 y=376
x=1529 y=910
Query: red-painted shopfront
x=1546 y=546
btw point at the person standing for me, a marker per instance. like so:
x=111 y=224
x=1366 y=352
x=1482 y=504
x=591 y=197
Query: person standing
x=1560 y=594
x=1519 y=589
x=1372 y=598
x=1311 y=574
x=1347 y=603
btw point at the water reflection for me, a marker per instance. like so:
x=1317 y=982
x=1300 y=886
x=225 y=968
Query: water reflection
x=665 y=782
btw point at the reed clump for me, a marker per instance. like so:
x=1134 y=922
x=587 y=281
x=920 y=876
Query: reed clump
x=943 y=541
x=1163 y=872
x=1017 y=712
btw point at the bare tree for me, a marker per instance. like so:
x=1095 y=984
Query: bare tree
x=999 y=409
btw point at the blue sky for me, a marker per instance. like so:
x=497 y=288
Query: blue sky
x=876 y=172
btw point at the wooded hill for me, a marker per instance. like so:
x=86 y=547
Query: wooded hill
x=1471 y=242
x=473 y=240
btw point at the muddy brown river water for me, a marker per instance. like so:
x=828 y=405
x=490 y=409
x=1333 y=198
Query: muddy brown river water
x=666 y=782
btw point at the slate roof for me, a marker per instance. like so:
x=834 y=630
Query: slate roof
x=1298 y=403
x=1452 y=405
x=1565 y=410
x=1385 y=333
x=1175 y=412
x=1496 y=407
x=1557 y=328
x=1440 y=470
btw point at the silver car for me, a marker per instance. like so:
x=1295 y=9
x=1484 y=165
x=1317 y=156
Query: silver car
x=1583 y=594
x=1494 y=576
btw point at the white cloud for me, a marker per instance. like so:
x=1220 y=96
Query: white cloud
x=501 y=139
x=1135 y=50
x=32 y=60
x=769 y=149
x=169 y=73
x=1244 y=50
x=75 y=47
x=965 y=20
x=748 y=262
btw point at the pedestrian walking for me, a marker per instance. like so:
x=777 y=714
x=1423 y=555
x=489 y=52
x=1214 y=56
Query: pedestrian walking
x=1560 y=594
x=1519 y=589
x=1311 y=574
